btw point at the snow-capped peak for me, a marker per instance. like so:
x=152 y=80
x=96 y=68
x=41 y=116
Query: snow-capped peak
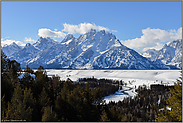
x=92 y=50
x=10 y=49
x=44 y=43
x=67 y=37
x=150 y=54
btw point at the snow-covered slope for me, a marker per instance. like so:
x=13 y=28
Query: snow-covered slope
x=10 y=49
x=44 y=43
x=132 y=78
x=25 y=54
x=171 y=54
x=92 y=50
x=150 y=54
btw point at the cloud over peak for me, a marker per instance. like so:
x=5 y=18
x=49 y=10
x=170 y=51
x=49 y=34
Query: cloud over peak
x=81 y=28
x=153 y=38
x=7 y=41
x=44 y=32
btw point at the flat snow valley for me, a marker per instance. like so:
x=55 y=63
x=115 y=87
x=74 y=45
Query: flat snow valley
x=133 y=78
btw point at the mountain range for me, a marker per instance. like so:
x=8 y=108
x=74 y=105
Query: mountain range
x=93 y=50
x=170 y=55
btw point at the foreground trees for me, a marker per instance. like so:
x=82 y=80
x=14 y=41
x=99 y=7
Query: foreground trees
x=175 y=103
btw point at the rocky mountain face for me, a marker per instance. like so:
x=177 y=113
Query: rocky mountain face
x=150 y=54
x=10 y=49
x=170 y=56
x=92 y=50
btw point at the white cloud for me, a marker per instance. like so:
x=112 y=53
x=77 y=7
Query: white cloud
x=158 y=46
x=44 y=32
x=82 y=28
x=153 y=38
x=10 y=41
x=71 y=29
x=29 y=40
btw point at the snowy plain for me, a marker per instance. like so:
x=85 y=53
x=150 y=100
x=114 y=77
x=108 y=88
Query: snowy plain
x=133 y=78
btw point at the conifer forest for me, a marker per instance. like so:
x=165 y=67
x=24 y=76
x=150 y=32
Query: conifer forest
x=36 y=97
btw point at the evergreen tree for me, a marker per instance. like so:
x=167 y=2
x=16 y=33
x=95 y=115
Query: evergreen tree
x=44 y=100
x=3 y=108
x=41 y=79
x=27 y=80
x=76 y=100
x=13 y=77
x=87 y=103
x=64 y=109
x=28 y=70
x=87 y=95
x=19 y=108
x=104 y=117
x=124 y=118
x=7 y=87
x=15 y=66
x=49 y=115
x=4 y=63
x=97 y=96
x=175 y=103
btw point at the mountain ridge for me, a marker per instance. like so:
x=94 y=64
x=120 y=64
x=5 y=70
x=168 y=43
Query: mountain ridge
x=92 y=50
x=170 y=55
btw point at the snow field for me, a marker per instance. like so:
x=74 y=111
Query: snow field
x=131 y=77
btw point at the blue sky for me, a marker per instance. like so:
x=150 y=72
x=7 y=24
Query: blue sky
x=138 y=24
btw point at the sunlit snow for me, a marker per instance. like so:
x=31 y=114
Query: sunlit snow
x=133 y=78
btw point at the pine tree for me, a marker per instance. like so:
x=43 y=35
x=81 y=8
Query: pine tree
x=28 y=70
x=104 y=117
x=28 y=99
x=7 y=87
x=4 y=63
x=124 y=118
x=3 y=107
x=87 y=103
x=75 y=99
x=49 y=115
x=65 y=91
x=175 y=103
x=97 y=96
x=27 y=80
x=41 y=79
x=44 y=100
x=20 y=106
x=58 y=107
x=87 y=95
x=41 y=76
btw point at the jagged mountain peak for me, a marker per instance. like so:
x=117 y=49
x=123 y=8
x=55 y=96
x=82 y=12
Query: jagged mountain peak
x=175 y=44
x=92 y=31
x=44 y=43
x=67 y=37
x=45 y=39
x=10 y=49
x=150 y=54
x=92 y=50
x=29 y=48
x=170 y=55
x=12 y=44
